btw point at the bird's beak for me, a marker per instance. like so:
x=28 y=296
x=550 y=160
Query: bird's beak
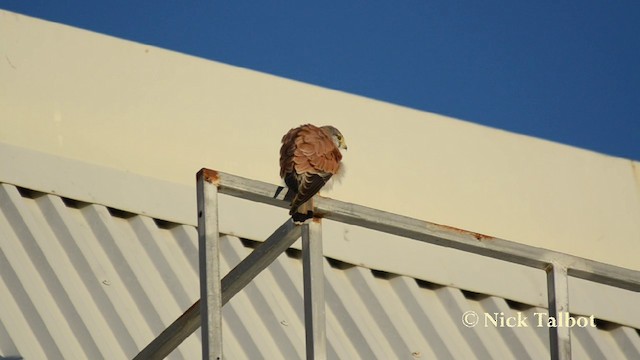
x=344 y=145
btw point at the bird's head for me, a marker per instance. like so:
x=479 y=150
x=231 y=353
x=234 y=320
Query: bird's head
x=336 y=136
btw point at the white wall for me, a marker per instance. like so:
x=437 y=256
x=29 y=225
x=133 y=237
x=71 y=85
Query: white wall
x=151 y=112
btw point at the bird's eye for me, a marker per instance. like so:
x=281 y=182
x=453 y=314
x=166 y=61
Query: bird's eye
x=339 y=137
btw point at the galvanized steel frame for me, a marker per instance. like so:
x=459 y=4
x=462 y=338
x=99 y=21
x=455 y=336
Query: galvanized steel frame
x=209 y=263
x=559 y=266
x=313 y=277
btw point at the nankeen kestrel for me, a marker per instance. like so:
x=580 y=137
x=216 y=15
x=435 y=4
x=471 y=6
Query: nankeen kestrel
x=309 y=156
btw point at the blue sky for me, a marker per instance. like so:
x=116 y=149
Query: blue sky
x=567 y=71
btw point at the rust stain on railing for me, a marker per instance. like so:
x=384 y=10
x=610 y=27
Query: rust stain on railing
x=210 y=176
x=476 y=235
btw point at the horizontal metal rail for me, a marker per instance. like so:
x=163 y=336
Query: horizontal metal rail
x=436 y=234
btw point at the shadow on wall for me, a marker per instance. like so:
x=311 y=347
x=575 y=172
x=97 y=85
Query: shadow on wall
x=11 y=357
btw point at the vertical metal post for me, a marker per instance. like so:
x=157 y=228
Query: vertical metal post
x=314 y=306
x=558 y=296
x=209 y=254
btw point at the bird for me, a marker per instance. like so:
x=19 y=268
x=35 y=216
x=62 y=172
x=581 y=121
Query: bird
x=309 y=157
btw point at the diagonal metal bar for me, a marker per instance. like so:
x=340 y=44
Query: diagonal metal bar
x=232 y=283
x=173 y=335
x=259 y=259
x=314 y=305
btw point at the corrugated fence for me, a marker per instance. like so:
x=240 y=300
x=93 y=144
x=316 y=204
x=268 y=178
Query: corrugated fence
x=83 y=281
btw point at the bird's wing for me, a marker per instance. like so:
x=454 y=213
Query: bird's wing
x=308 y=159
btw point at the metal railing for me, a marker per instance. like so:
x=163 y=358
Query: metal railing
x=216 y=292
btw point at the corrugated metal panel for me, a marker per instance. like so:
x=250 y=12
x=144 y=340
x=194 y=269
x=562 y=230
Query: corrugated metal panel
x=83 y=281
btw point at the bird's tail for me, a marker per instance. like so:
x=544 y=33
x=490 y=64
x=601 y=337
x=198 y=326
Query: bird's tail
x=288 y=196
